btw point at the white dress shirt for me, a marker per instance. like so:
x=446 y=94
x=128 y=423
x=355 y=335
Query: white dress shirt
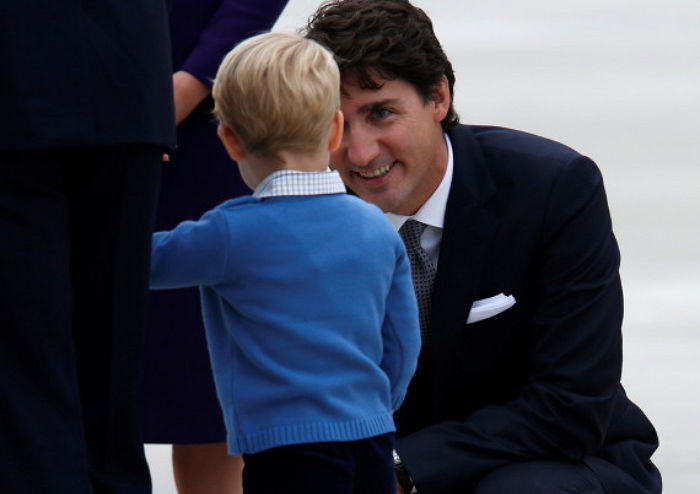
x=432 y=212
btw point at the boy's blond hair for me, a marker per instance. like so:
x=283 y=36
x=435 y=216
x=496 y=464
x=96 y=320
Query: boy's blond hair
x=277 y=91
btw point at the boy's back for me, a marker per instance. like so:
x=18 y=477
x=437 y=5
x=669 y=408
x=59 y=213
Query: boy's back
x=307 y=306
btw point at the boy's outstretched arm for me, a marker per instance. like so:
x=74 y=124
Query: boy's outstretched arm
x=401 y=330
x=193 y=253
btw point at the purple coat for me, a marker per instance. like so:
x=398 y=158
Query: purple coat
x=177 y=401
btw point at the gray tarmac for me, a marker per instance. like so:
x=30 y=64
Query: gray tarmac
x=618 y=81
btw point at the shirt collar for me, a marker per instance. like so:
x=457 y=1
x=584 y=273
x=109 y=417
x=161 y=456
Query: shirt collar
x=432 y=212
x=298 y=183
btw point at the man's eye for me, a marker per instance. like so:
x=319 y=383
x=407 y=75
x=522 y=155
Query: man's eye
x=381 y=113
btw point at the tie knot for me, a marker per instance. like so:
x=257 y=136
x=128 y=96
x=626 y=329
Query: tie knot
x=411 y=232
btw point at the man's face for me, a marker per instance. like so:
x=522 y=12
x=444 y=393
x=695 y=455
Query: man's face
x=393 y=151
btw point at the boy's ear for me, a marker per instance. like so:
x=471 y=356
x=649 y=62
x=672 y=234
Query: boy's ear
x=231 y=142
x=336 y=132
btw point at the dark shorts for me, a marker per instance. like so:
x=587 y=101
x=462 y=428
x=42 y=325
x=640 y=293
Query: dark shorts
x=356 y=467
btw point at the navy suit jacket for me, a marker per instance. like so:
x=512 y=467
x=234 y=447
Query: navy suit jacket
x=94 y=72
x=526 y=217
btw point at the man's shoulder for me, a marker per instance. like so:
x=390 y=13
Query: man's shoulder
x=501 y=143
x=518 y=164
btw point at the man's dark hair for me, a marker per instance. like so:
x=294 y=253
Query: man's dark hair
x=389 y=39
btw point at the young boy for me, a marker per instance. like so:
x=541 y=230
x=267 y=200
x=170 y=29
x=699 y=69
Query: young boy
x=307 y=299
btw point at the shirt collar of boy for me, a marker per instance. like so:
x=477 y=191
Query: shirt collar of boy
x=298 y=183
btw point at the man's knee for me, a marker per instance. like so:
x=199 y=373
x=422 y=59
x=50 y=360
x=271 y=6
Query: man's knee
x=541 y=477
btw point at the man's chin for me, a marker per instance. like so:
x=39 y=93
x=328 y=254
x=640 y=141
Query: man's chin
x=380 y=200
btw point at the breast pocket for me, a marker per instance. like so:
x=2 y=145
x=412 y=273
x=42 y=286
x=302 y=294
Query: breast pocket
x=490 y=307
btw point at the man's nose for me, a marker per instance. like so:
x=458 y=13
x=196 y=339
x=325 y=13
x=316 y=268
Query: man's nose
x=362 y=146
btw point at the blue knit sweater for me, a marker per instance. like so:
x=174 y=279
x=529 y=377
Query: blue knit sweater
x=310 y=315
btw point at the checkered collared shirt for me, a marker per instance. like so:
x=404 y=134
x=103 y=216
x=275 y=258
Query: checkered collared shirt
x=298 y=183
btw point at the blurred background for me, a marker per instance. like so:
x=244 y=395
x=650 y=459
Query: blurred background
x=619 y=81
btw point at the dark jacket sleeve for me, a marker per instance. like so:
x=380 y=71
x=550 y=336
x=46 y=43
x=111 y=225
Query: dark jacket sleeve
x=574 y=355
x=231 y=23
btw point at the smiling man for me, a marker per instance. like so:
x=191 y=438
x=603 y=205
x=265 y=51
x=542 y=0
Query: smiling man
x=394 y=153
x=515 y=267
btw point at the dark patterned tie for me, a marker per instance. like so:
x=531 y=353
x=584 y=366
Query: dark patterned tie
x=422 y=270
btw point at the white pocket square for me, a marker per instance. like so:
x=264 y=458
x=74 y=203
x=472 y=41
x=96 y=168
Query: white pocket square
x=489 y=307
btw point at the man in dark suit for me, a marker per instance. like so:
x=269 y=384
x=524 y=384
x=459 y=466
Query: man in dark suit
x=85 y=99
x=518 y=385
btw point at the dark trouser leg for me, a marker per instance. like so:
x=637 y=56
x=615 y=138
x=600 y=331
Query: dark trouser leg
x=112 y=210
x=74 y=245
x=375 y=466
x=364 y=466
x=541 y=477
x=42 y=445
x=316 y=468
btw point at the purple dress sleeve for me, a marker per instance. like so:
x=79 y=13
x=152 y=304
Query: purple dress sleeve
x=232 y=22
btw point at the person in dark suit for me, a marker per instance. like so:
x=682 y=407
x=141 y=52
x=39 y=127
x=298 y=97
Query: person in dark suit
x=177 y=403
x=86 y=109
x=515 y=269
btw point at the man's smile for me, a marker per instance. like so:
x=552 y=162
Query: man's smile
x=377 y=172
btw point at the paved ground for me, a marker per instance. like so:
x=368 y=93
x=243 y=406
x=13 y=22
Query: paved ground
x=620 y=82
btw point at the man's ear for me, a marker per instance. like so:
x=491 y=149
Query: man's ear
x=234 y=146
x=441 y=99
x=335 y=136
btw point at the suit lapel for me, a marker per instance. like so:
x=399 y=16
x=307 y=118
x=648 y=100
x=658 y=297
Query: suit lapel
x=468 y=231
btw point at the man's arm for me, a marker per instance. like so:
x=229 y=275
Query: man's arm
x=564 y=409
